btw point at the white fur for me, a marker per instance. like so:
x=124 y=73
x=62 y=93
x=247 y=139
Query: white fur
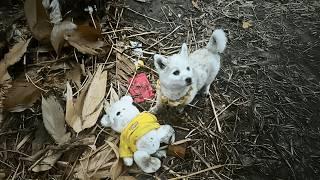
x=119 y=115
x=202 y=66
x=55 y=14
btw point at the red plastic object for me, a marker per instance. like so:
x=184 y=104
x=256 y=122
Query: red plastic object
x=140 y=88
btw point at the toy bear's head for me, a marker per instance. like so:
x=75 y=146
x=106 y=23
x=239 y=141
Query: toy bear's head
x=120 y=114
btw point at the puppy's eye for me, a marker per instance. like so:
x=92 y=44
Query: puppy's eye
x=176 y=72
x=188 y=68
x=118 y=113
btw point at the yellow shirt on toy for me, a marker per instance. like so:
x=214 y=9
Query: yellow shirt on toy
x=139 y=126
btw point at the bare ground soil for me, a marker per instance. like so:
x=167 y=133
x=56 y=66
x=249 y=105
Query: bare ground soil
x=271 y=67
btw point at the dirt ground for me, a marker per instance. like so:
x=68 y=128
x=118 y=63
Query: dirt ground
x=266 y=94
x=271 y=67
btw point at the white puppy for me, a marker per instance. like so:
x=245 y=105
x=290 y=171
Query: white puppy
x=182 y=75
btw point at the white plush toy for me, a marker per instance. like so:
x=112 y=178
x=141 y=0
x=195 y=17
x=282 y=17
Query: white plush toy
x=141 y=134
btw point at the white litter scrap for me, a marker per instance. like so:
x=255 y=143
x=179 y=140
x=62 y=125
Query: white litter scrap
x=54 y=6
x=137 y=48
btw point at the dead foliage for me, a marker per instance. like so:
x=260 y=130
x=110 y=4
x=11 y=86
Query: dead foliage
x=84 y=112
x=103 y=162
x=20 y=96
x=38 y=20
x=12 y=57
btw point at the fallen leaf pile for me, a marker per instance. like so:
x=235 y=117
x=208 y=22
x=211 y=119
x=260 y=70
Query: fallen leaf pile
x=21 y=96
x=12 y=57
x=53 y=120
x=103 y=162
x=84 y=38
x=83 y=112
x=38 y=20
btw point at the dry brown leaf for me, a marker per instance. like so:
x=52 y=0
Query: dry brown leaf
x=12 y=57
x=21 y=96
x=177 y=150
x=102 y=163
x=84 y=111
x=47 y=162
x=85 y=39
x=75 y=74
x=73 y=118
x=38 y=20
x=93 y=102
x=58 y=32
x=53 y=119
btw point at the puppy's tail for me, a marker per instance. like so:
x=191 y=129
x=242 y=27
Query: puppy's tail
x=217 y=42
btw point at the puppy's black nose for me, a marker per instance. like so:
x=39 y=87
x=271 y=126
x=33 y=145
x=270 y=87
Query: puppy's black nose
x=188 y=81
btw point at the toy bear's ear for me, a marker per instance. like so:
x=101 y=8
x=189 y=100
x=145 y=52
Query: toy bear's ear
x=184 y=50
x=127 y=99
x=106 y=121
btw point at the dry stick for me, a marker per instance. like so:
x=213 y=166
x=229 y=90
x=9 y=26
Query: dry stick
x=135 y=73
x=224 y=108
x=194 y=37
x=29 y=79
x=227 y=106
x=129 y=57
x=215 y=114
x=153 y=19
x=94 y=24
x=16 y=171
x=149 y=23
x=119 y=30
x=119 y=18
x=115 y=35
x=199 y=172
x=165 y=16
x=144 y=33
x=164 y=37
x=171 y=171
x=215 y=151
x=205 y=162
x=109 y=54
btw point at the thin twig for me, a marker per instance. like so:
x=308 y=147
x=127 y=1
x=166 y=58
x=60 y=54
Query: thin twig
x=163 y=37
x=153 y=19
x=215 y=114
x=199 y=172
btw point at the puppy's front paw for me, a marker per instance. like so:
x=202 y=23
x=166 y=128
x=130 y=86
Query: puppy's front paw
x=128 y=161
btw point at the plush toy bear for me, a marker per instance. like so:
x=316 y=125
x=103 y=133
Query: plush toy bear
x=141 y=134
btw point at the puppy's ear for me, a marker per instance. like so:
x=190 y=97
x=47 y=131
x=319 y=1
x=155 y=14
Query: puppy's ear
x=106 y=121
x=160 y=62
x=184 y=50
x=127 y=99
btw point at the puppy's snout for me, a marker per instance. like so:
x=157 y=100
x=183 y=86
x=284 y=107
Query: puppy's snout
x=188 y=81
